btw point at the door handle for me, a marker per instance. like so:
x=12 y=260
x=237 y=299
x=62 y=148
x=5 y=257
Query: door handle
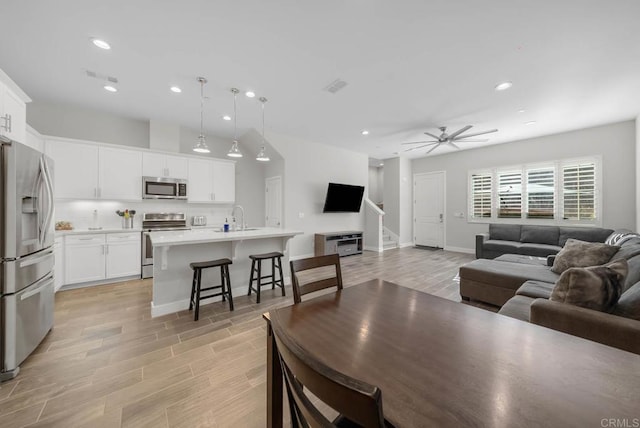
x=38 y=259
x=441 y=219
x=46 y=281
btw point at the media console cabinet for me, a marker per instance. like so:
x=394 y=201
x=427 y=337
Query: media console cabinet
x=343 y=243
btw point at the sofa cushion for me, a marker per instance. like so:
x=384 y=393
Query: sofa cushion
x=501 y=246
x=629 y=304
x=519 y=258
x=536 y=289
x=580 y=254
x=538 y=250
x=595 y=287
x=539 y=234
x=587 y=234
x=505 y=274
x=504 y=232
x=518 y=307
x=634 y=273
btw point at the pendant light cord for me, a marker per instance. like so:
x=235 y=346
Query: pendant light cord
x=201 y=105
x=235 y=118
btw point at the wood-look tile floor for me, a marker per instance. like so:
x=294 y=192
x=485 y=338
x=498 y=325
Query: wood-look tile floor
x=107 y=363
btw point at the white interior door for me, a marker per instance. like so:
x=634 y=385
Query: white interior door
x=273 y=198
x=428 y=209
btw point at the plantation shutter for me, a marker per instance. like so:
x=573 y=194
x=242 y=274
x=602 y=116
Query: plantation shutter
x=540 y=192
x=510 y=194
x=481 y=195
x=579 y=191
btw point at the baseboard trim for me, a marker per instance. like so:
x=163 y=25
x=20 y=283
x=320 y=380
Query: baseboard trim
x=375 y=249
x=94 y=283
x=405 y=245
x=460 y=249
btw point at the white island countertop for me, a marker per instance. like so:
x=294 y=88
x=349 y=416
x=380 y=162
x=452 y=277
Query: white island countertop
x=202 y=236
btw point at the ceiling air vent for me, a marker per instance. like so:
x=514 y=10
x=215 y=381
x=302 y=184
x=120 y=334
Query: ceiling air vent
x=335 y=86
x=99 y=76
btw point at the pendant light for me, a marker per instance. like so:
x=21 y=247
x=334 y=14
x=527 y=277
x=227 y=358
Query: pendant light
x=234 y=151
x=201 y=144
x=262 y=155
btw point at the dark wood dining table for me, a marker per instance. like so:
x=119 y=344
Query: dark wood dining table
x=443 y=363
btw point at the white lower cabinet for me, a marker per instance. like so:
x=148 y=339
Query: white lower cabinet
x=58 y=268
x=97 y=257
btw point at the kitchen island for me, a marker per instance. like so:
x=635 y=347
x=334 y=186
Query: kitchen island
x=174 y=250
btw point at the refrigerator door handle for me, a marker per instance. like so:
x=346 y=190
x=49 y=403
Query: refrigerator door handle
x=42 y=256
x=43 y=283
x=49 y=187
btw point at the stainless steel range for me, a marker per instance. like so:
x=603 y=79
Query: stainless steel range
x=154 y=222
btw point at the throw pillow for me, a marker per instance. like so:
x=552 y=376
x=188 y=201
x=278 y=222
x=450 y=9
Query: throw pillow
x=581 y=254
x=595 y=287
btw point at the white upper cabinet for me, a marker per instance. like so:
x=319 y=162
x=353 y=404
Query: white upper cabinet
x=224 y=181
x=200 y=181
x=75 y=169
x=211 y=181
x=86 y=171
x=120 y=174
x=162 y=165
x=13 y=110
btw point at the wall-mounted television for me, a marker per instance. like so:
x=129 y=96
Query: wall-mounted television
x=343 y=198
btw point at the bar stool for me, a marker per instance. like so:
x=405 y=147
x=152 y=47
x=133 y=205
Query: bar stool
x=256 y=268
x=196 y=285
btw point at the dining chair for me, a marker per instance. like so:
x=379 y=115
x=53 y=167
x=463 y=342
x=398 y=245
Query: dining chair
x=358 y=403
x=308 y=264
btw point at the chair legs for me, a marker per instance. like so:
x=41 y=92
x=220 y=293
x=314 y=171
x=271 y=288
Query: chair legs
x=196 y=288
x=256 y=275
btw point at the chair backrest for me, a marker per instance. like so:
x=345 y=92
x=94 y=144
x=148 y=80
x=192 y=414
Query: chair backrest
x=313 y=263
x=353 y=399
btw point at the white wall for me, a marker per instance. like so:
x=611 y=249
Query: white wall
x=637 y=173
x=164 y=136
x=375 y=191
x=398 y=190
x=309 y=167
x=65 y=120
x=616 y=143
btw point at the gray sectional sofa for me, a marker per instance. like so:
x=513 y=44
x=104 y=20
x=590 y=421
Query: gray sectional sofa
x=532 y=240
x=523 y=284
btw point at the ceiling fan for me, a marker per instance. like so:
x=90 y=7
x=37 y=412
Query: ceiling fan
x=450 y=139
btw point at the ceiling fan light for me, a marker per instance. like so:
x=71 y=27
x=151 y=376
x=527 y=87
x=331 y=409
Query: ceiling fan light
x=234 y=151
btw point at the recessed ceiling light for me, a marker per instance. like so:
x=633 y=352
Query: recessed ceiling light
x=531 y=122
x=521 y=111
x=250 y=94
x=381 y=164
x=365 y=132
x=101 y=44
x=503 y=86
x=175 y=89
x=226 y=117
x=110 y=88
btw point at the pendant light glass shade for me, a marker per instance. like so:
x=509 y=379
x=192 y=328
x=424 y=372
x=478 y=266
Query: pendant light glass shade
x=234 y=151
x=201 y=143
x=262 y=154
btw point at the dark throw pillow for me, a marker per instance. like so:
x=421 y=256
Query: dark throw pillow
x=595 y=287
x=581 y=254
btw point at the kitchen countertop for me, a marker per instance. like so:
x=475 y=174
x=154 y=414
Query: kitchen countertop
x=88 y=232
x=205 y=235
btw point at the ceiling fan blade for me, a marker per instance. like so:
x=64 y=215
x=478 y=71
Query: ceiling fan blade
x=433 y=148
x=478 y=133
x=416 y=148
x=422 y=142
x=463 y=140
x=432 y=136
x=459 y=131
x=454 y=145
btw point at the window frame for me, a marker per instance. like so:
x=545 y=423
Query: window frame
x=558 y=194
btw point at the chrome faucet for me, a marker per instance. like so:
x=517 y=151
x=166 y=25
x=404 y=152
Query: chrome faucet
x=242 y=225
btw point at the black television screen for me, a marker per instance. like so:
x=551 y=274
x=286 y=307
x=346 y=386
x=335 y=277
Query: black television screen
x=343 y=198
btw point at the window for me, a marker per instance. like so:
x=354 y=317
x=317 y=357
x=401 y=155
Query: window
x=565 y=191
x=481 y=195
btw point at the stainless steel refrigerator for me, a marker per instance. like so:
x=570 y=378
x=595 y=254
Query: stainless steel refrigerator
x=26 y=253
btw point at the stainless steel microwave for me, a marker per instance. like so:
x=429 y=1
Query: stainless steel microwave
x=164 y=188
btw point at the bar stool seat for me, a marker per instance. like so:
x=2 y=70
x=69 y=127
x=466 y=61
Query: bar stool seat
x=256 y=272
x=196 y=284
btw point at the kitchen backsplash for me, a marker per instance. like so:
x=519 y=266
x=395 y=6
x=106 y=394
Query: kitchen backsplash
x=80 y=213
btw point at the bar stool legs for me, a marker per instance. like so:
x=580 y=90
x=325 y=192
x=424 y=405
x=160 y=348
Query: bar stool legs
x=256 y=273
x=196 y=284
